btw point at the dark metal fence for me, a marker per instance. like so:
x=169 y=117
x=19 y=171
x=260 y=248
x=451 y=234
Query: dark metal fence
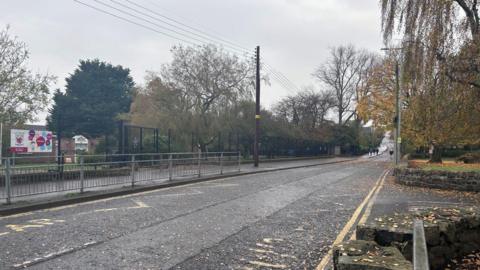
x=137 y=139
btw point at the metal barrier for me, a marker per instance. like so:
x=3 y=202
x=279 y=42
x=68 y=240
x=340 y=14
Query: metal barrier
x=420 y=252
x=89 y=172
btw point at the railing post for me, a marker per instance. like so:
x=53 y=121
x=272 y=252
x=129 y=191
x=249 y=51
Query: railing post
x=133 y=171
x=199 y=164
x=8 y=181
x=420 y=252
x=170 y=167
x=221 y=163
x=239 y=160
x=82 y=174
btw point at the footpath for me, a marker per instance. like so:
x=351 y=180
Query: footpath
x=49 y=200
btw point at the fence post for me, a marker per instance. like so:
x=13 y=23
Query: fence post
x=239 y=160
x=8 y=181
x=420 y=252
x=82 y=174
x=133 y=171
x=221 y=163
x=170 y=167
x=199 y=163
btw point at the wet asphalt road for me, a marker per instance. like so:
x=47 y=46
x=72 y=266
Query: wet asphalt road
x=276 y=220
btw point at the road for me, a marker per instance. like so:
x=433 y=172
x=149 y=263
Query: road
x=275 y=220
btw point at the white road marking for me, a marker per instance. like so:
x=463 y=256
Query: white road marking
x=270 y=240
x=269 y=265
x=194 y=192
x=105 y=210
x=31 y=262
x=220 y=185
x=139 y=205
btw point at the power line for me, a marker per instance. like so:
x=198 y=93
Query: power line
x=280 y=81
x=188 y=26
x=148 y=21
x=276 y=75
x=136 y=23
x=288 y=81
x=153 y=23
x=173 y=25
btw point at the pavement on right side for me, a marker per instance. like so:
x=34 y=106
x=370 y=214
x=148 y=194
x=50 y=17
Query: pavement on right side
x=397 y=198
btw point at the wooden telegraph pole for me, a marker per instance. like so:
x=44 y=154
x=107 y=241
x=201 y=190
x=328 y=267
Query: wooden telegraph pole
x=257 y=109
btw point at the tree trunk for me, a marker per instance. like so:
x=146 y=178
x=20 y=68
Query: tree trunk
x=436 y=155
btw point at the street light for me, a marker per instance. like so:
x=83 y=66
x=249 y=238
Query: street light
x=398 y=112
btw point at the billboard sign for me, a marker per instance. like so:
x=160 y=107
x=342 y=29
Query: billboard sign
x=31 y=141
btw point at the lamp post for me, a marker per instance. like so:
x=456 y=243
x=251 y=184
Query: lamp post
x=398 y=111
x=1 y=143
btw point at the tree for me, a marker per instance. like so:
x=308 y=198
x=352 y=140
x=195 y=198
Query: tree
x=22 y=93
x=307 y=109
x=378 y=103
x=446 y=32
x=439 y=114
x=197 y=89
x=343 y=74
x=441 y=63
x=97 y=93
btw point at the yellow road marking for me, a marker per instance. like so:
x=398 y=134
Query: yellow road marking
x=368 y=210
x=4 y=233
x=21 y=228
x=276 y=266
x=349 y=225
x=35 y=223
x=17 y=215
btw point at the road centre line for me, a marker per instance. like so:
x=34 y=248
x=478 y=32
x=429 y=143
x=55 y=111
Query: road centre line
x=341 y=236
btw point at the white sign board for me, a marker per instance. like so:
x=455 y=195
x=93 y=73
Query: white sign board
x=81 y=143
x=31 y=141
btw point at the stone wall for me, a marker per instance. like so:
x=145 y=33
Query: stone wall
x=450 y=233
x=465 y=181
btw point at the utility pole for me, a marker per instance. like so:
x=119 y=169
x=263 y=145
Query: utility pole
x=257 y=108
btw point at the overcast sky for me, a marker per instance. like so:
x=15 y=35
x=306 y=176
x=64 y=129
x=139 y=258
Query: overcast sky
x=294 y=35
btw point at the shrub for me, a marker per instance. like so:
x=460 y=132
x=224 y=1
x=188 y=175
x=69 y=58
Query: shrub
x=469 y=158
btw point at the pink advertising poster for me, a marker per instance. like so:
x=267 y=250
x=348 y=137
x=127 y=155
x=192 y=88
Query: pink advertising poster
x=31 y=141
